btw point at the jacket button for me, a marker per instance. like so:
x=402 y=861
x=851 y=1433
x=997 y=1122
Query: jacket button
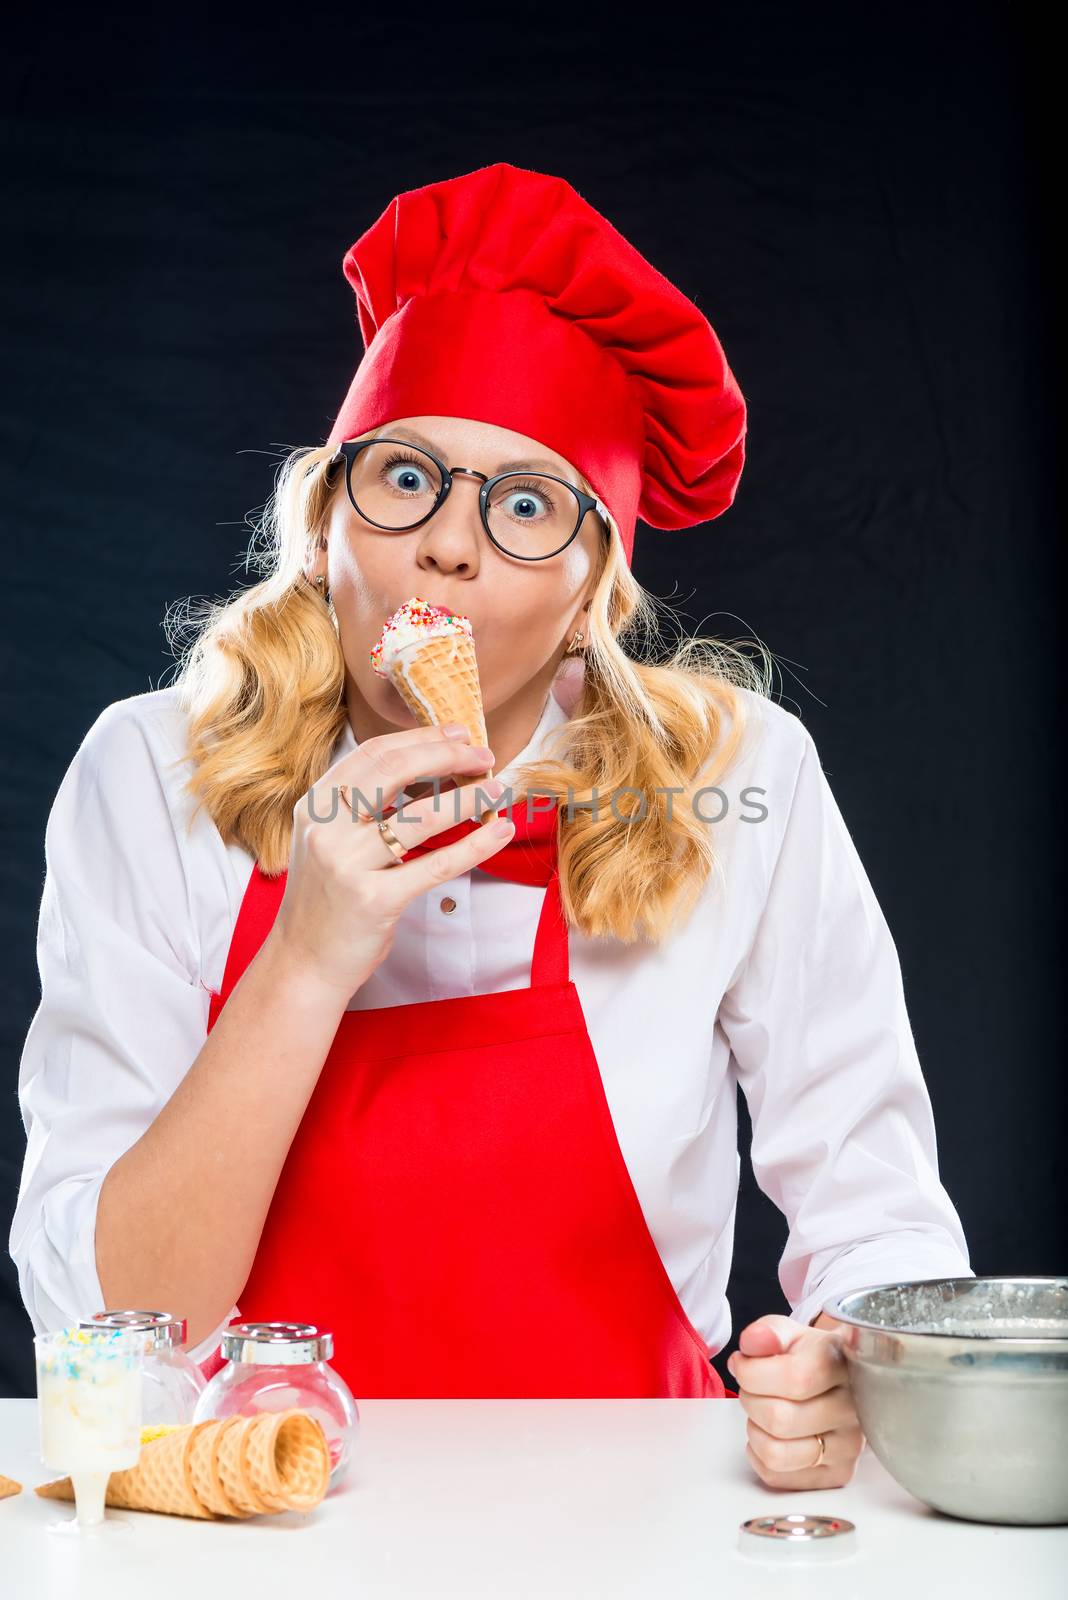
x=448 y=904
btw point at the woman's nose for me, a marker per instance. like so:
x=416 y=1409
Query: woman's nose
x=453 y=536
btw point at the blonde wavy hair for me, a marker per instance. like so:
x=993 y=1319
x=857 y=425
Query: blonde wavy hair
x=262 y=677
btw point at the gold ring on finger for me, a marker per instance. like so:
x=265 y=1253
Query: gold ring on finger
x=360 y=816
x=392 y=841
x=823 y=1450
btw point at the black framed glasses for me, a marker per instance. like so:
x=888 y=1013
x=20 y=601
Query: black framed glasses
x=397 y=486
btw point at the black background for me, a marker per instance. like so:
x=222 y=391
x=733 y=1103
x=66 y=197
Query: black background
x=863 y=211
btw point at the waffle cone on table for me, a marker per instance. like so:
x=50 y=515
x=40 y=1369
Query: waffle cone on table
x=229 y=1467
x=9 y=1486
x=205 y=1466
x=287 y=1460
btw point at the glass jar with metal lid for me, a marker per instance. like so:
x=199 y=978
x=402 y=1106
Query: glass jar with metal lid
x=271 y=1366
x=171 y=1382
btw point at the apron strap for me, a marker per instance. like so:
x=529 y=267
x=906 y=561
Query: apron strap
x=551 y=957
x=259 y=907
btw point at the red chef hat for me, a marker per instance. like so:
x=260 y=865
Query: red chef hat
x=503 y=296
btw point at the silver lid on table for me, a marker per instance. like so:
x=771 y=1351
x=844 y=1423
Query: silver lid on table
x=797 y=1537
x=163 y=1330
x=276 y=1343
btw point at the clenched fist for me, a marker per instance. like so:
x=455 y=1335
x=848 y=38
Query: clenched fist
x=793 y=1386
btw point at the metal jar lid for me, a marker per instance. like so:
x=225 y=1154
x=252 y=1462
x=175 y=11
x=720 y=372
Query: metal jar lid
x=166 y=1331
x=797 y=1537
x=276 y=1343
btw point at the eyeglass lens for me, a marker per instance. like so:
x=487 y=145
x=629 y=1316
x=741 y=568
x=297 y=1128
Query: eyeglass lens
x=395 y=486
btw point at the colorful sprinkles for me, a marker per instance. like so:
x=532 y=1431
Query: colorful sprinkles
x=415 y=620
x=85 y=1353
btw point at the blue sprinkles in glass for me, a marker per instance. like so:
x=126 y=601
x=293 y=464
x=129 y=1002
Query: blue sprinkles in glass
x=85 y=1354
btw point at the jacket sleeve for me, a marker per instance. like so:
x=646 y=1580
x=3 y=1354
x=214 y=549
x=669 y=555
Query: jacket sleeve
x=843 y=1133
x=122 y=1013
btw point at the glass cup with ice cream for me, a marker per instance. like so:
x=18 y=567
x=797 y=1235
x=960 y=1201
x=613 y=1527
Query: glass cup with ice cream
x=89 y=1402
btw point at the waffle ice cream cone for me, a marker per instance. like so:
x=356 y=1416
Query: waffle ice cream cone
x=9 y=1486
x=439 y=681
x=428 y=654
x=234 y=1473
x=205 y=1468
x=286 y=1457
x=230 y=1467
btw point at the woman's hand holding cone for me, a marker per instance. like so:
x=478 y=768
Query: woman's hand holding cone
x=344 y=891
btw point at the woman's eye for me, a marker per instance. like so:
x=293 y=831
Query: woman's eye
x=410 y=477
x=527 y=503
x=523 y=506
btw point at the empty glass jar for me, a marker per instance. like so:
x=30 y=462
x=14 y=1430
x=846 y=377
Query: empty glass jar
x=171 y=1382
x=271 y=1366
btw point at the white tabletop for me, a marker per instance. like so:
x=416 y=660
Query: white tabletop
x=518 y=1499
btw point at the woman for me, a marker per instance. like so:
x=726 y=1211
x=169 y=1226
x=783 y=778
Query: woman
x=467 y=1092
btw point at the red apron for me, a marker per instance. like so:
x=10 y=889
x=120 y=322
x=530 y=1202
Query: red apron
x=455 y=1205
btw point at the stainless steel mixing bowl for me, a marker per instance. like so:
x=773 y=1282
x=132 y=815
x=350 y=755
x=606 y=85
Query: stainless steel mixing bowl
x=961 y=1387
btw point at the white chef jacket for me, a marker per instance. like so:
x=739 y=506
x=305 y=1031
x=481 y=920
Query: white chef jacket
x=785 y=979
